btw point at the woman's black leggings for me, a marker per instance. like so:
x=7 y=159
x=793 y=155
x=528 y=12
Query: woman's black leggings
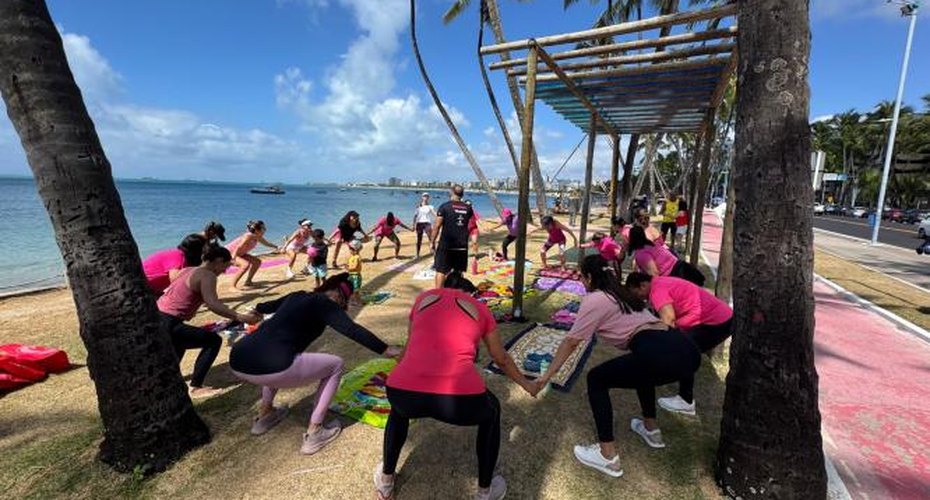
x=483 y=410
x=705 y=337
x=421 y=227
x=657 y=357
x=507 y=241
x=184 y=337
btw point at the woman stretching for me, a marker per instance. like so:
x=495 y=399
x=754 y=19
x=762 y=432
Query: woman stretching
x=423 y=221
x=385 y=229
x=193 y=287
x=161 y=268
x=436 y=378
x=273 y=357
x=657 y=356
x=298 y=242
x=344 y=233
x=556 y=238
x=658 y=260
x=509 y=219
x=240 y=248
x=608 y=248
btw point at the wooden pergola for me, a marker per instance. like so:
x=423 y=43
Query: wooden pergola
x=669 y=83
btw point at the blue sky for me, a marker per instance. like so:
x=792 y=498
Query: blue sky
x=328 y=90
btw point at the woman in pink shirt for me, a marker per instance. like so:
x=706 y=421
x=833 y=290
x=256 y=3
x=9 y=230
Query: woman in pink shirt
x=437 y=378
x=556 y=238
x=385 y=229
x=681 y=304
x=658 y=260
x=658 y=356
x=161 y=268
x=607 y=248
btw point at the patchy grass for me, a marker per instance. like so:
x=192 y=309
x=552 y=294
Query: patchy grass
x=906 y=301
x=49 y=432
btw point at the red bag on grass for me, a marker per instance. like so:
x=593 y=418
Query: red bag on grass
x=47 y=359
x=24 y=371
x=9 y=382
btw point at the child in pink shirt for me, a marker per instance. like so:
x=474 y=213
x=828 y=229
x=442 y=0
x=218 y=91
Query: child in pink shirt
x=608 y=248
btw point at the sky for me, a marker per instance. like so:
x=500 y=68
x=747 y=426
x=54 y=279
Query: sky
x=328 y=90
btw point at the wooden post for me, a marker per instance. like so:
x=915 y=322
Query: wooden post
x=586 y=197
x=700 y=193
x=523 y=205
x=627 y=190
x=692 y=187
x=614 y=174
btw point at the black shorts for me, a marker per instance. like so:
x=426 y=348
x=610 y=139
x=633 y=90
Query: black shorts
x=668 y=226
x=447 y=260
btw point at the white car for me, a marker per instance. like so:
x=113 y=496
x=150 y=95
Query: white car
x=819 y=209
x=859 y=212
x=923 y=230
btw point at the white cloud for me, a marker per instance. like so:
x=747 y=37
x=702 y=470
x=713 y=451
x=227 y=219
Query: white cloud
x=93 y=73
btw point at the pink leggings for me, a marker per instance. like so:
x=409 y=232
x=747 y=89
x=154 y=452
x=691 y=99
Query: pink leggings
x=306 y=368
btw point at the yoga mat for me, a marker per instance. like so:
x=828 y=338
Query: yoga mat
x=504 y=269
x=378 y=297
x=541 y=340
x=265 y=263
x=361 y=395
x=560 y=285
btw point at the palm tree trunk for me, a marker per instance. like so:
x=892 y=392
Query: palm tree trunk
x=626 y=192
x=724 y=286
x=445 y=115
x=770 y=442
x=492 y=98
x=148 y=419
x=539 y=184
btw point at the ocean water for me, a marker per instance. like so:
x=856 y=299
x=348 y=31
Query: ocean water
x=161 y=213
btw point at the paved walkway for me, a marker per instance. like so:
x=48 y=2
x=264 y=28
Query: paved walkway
x=900 y=263
x=874 y=393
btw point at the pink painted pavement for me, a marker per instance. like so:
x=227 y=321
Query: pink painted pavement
x=874 y=392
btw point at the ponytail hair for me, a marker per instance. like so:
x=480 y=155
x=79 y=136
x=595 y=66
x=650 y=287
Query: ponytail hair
x=457 y=281
x=214 y=252
x=192 y=246
x=602 y=278
x=255 y=225
x=638 y=239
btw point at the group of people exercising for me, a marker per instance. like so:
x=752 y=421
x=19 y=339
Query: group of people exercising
x=661 y=322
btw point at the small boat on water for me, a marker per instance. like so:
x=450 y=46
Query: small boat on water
x=320 y=192
x=268 y=190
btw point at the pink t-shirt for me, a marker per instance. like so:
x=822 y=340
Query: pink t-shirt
x=440 y=353
x=693 y=305
x=608 y=248
x=157 y=266
x=180 y=300
x=660 y=254
x=556 y=235
x=385 y=229
x=601 y=315
x=242 y=245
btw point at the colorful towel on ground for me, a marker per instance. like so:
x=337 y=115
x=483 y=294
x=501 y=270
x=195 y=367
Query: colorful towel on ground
x=555 y=272
x=362 y=396
x=565 y=317
x=265 y=264
x=504 y=270
x=378 y=297
x=560 y=285
x=425 y=274
x=537 y=341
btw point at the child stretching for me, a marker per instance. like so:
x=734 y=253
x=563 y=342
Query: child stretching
x=354 y=267
x=318 y=252
x=240 y=248
x=608 y=248
x=297 y=243
x=556 y=238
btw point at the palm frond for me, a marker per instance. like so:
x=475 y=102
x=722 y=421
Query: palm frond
x=455 y=10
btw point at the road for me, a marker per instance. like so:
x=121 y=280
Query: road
x=891 y=233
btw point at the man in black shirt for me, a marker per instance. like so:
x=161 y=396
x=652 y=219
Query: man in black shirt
x=451 y=248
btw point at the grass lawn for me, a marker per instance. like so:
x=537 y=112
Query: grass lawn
x=49 y=432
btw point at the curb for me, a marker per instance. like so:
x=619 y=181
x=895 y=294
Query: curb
x=894 y=318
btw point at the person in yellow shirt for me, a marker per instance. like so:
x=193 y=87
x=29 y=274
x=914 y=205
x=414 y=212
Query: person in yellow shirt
x=669 y=214
x=354 y=265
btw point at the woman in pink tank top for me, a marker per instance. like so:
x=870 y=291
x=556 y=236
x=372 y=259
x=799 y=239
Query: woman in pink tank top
x=556 y=238
x=193 y=287
x=240 y=248
x=437 y=378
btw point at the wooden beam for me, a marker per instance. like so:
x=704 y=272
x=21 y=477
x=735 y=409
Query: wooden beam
x=617 y=29
x=644 y=70
x=724 y=81
x=586 y=197
x=570 y=85
x=606 y=63
x=620 y=48
x=523 y=203
x=614 y=174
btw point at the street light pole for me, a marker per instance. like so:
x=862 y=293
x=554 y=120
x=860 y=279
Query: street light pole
x=907 y=9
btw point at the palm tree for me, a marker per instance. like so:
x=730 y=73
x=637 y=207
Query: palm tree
x=491 y=14
x=445 y=115
x=770 y=442
x=148 y=419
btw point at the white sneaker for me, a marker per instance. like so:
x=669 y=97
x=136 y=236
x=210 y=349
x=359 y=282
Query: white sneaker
x=591 y=456
x=652 y=438
x=676 y=404
x=288 y=273
x=496 y=491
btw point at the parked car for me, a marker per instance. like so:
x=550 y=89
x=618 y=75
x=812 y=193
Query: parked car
x=914 y=216
x=819 y=209
x=832 y=209
x=859 y=212
x=893 y=215
x=923 y=230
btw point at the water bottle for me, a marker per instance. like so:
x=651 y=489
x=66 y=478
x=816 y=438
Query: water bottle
x=543 y=368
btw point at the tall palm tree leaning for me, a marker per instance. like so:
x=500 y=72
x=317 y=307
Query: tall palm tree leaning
x=445 y=115
x=148 y=419
x=491 y=14
x=770 y=442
